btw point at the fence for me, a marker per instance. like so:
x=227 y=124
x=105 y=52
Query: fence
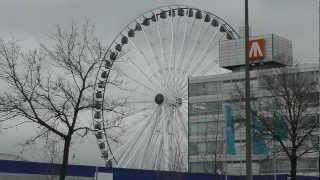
x=20 y=170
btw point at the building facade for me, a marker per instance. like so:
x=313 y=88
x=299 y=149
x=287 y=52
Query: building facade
x=210 y=97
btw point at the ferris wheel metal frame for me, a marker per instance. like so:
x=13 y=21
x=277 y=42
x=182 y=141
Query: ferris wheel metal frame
x=114 y=51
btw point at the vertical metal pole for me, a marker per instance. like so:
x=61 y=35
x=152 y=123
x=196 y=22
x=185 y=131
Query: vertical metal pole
x=188 y=140
x=318 y=87
x=247 y=98
x=319 y=35
x=318 y=150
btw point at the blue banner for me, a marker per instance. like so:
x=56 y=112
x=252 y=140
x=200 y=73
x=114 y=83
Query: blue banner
x=280 y=128
x=231 y=147
x=258 y=142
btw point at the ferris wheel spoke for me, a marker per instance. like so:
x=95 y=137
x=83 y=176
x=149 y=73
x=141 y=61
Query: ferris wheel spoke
x=151 y=137
x=170 y=133
x=165 y=26
x=206 y=68
x=215 y=61
x=185 y=46
x=205 y=52
x=184 y=97
x=183 y=42
x=184 y=109
x=137 y=111
x=165 y=131
x=148 y=138
x=199 y=64
x=139 y=102
x=158 y=35
x=174 y=53
x=192 y=45
x=176 y=156
x=199 y=60
x=181 y=83
x=131 y=150
x=158 y=154
x=143 y=73
x=179 y=62
x=145 y=59
x=161 y=46
x=177 y=56
x=175 y=27
x=146 y=37
x=195 y=45
x=137 y=81
x=180 y=75
x=153 y=153
x=136 y=91
x=180 y=118
x=171 y=44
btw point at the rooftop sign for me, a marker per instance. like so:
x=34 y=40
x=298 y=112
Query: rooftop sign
x=257 y=49
x=272 y=49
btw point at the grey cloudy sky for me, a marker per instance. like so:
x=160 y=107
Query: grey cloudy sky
x=32 y=20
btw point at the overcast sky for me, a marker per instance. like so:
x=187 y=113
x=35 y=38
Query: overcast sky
x=32 y=20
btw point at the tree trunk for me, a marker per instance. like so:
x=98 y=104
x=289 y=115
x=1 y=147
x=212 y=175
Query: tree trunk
x=293 y=170
x=64 y=167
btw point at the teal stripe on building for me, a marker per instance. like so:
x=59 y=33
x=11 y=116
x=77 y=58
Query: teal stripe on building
x=258 y=141
x=231 y=147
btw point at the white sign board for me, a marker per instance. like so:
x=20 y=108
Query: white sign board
x=104 y=176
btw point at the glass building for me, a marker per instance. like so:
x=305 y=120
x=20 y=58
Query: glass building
x=210 y=96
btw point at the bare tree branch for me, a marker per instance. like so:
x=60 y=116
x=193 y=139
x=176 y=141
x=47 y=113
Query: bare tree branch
x=50 y=86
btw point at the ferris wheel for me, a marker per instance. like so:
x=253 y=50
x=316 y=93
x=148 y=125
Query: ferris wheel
x=141 y=90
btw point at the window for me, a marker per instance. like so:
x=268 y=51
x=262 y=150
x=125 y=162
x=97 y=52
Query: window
x=310 y=141
x=205 y=167
x=213 y=147
x=308 y=76
x=205 y=108
x=197 y=167
x=266 y=166
x=205 y=88
x=206 y=128
x=282 y=164
x=198 y=128
x=307 y=164
x=193 y=149
x=309 y=121
x=205 y=118
x=206 y=148
x=312 y=99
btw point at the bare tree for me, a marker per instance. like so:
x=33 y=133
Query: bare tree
x=283 y=103
x=52 y=86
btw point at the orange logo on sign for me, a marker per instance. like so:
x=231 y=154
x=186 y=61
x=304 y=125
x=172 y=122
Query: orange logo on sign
x=256 y=49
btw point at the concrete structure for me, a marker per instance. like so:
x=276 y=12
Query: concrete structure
x=208 y=96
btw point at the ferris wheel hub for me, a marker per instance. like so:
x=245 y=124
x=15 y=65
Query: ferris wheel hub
x=159 y=99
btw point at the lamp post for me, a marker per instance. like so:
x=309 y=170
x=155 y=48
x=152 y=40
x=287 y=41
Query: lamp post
x=319 y=150
x=247 y=98
x=319 y=86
